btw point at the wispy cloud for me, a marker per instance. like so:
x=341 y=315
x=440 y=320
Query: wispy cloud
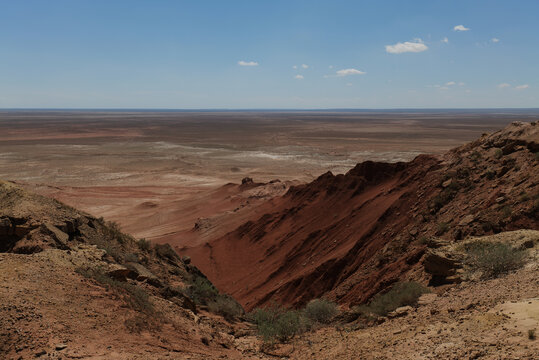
x=460 y=28
x=450 y=83
x=522 y=87
x=408 y=46
x=495 y=40
x=295 y=67
x=304 y=66
x=504 y=85
x=445 y=40
x=347 y=72
x=299 y=77
x=247 y=63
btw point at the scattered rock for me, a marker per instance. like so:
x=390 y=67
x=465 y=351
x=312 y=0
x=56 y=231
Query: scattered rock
x=60 y=347
x=426 y=299
x=468 y=219
x=58 y=235
x=119 y=272
x=401 y=311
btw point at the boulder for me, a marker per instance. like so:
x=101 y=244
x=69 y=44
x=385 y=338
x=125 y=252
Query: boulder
x=426 y=299
x=140 y=273
x=119 y=272
x=439 y=263
x=401 y=311
x=58 y=235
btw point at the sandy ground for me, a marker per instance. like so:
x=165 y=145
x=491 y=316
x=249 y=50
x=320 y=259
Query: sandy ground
x=146 y=170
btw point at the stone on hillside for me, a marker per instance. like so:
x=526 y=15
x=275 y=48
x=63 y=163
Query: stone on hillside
x=58 y=235
x=142 y=274
x=468 y=219
x=426 y=299
x=401 y=311
x=440 y=264
x=119 y=272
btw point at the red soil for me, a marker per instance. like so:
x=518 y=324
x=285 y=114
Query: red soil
x=350 y=236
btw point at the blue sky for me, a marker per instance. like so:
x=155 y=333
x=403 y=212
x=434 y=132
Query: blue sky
x=269 y=54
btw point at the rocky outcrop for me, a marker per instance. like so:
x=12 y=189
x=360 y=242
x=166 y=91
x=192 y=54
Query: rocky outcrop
x=350 y=236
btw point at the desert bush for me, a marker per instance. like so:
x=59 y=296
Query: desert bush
x=321 y=310
x=400 y=294
x=531 y=334
x=444 y=197
x=442 y=228
x=226 y=306
x=166 y=252
x=144 y=245
x=276 y=323
x=202 y=291
x=506 y=211
x=131 y=257
x=475 y=156
x=493 y=259
x=112 y=230
x=498 y=153
x=490 y=174
x=138 y=298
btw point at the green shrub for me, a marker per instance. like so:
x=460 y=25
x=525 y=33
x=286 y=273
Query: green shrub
x=490 y=174
x=166 y=252
x=202 y=291
x=227 y=307
x=137 y=299
x=498 y=153
x=401 y=294
x=442 y=228
x=444 y=197
x=493 y=259
x=506 y=211
x=278 y=324
x=321 y=310
x=144 y=245
x=112 y=230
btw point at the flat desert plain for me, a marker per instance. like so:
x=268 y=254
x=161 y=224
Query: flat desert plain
x=161 y=174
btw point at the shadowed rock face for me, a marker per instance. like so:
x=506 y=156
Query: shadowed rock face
x=350 y=236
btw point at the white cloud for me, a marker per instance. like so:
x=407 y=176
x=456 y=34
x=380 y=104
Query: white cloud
x=346 y=72
x=445 y=40
x=495 y=40
x=247 y=63
x=462 y=83
x=450 y=83
x=522 y=87
x=408 y=46
x=444 y=88
x=299 y=77
x=460 y=28
x=504 y=85
x=468 y=91
x=304 y=66
x=331 y=66
x=295 y=67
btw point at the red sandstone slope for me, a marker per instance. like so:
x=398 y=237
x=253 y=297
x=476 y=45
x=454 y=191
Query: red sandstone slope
x=350 y=236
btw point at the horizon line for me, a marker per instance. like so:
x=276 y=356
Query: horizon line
x=257 y=109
